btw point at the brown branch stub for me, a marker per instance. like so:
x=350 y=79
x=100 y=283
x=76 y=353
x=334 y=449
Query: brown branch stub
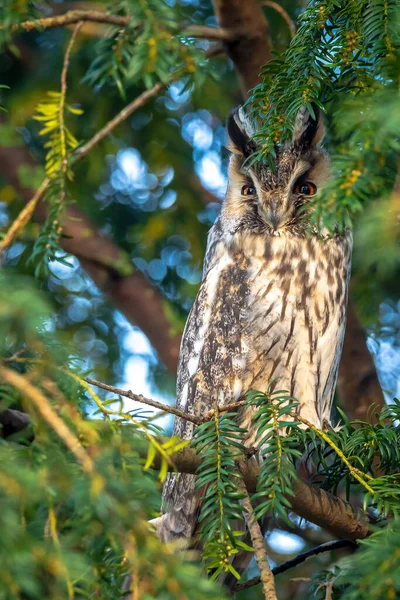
x=217 y=34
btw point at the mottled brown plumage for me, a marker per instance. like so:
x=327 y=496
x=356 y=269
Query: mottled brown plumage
x=272 y=303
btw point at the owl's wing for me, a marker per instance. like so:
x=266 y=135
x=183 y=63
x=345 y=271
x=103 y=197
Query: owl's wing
x=211 y=369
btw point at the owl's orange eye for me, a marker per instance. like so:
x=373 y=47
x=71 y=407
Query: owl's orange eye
x=248 y=190
x=305 y=189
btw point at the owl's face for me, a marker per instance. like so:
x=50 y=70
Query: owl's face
x=262 y=201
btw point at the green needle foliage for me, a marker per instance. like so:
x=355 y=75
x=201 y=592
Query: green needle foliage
x=279 y=452
x=68 y=531
x=374 y=571
x=345 y=59
x=219 y=442
x=145 y=51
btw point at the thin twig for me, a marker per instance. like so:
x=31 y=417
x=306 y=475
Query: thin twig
x=260 y=552
x=143 y=400
x=297 y=560
x=282 y=12
x=64 y=73
x=121 y=117
x=165 y=407
x=43 y=406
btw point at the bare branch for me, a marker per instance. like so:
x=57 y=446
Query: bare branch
x=167 y=408
x=260 y=551
x=139 y=398
x=297 y=560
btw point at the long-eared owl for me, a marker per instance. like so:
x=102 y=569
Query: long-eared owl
x=272 y=303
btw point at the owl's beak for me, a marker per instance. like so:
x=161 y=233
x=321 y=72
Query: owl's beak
x=272 y=215
x=274 y=220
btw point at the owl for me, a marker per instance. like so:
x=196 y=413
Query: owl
x=272 y=303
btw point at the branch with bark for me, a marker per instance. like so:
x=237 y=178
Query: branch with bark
x=72 y=17
x=322 y=508
x=310 y=502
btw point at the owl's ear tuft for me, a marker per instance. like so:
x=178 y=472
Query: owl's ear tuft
x=308 y=131
x=239 y=133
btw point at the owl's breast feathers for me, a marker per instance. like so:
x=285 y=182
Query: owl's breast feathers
x=268 y=308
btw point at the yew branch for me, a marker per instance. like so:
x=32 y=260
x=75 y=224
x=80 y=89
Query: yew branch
x=96 y=16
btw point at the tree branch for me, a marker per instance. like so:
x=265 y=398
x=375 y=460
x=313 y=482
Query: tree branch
x=120 y=118
x=95 y=16
x=159 y=405
x=139 y=398
x=297 y=560
x=23 y=218
x=309 y=502
x=330 y=512
x=70 y=18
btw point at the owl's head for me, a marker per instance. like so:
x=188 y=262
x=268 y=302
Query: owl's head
x=261 y=200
